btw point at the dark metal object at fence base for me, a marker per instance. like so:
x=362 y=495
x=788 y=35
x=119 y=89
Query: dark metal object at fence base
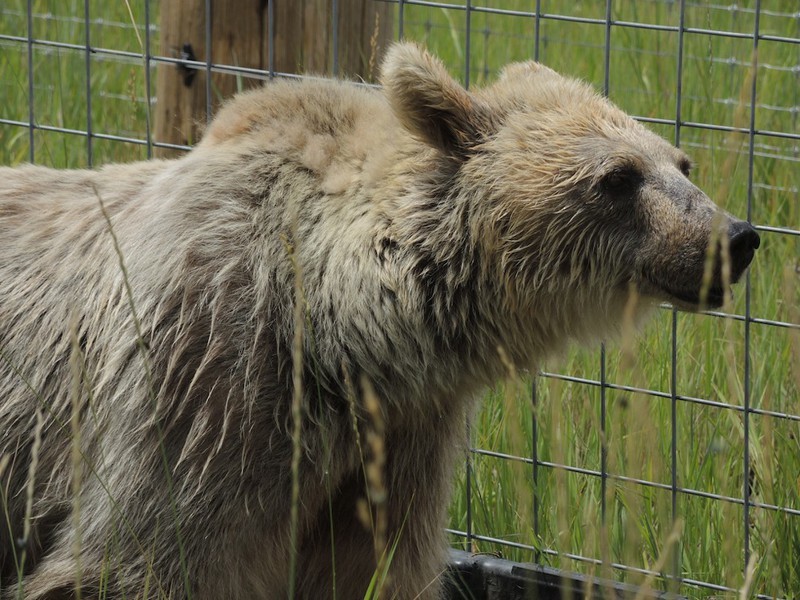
x=486 y=577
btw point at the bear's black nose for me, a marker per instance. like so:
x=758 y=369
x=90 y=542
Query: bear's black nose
x=742 y=243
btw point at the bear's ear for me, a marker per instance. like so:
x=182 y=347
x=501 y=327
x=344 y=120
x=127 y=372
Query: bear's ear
x=430 y=104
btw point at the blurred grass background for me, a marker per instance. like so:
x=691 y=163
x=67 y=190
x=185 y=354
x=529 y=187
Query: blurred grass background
x=559 y=515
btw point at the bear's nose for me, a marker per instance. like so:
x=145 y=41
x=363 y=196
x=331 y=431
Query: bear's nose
x=743 y=240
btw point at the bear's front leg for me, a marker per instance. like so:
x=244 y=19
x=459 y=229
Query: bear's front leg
x=339 y=559
x=419 y=474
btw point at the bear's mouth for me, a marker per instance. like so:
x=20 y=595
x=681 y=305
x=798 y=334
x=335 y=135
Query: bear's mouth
x=714 y=298
x=710 y=297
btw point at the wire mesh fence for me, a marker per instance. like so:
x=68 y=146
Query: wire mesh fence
x=699 y=424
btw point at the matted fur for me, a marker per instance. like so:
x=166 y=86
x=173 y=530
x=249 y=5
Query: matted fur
x=431 y=227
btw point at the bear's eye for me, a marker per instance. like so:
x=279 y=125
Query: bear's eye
x=622 y=181
x=685 y=165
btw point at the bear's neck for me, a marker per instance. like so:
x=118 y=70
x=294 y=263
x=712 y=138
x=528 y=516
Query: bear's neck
x=443 y=327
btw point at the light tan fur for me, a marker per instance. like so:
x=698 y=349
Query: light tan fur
x=431 y=226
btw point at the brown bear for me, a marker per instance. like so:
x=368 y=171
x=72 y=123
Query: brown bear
x=189 y=348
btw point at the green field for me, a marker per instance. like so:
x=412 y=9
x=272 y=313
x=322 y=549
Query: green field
x=637 y=529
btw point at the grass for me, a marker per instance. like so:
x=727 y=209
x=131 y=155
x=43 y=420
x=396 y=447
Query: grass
x=576 y=512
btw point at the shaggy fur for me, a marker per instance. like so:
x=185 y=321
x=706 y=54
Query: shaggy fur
x=147 y=321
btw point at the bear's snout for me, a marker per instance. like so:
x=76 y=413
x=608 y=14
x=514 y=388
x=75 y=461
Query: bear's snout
x=698 y=274
x=743 y=241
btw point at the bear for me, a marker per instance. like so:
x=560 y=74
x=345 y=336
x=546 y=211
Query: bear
x=203 y=360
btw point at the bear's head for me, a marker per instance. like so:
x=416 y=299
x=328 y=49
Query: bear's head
x=571 y=198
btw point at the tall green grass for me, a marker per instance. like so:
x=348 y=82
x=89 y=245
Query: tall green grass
x=638 y=521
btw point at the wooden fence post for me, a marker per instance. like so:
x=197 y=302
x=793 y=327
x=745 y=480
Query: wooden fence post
x=303 y=44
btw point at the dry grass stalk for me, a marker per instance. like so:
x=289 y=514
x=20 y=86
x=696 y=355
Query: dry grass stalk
x=377 y=514
x=671 y=545
x=373 y=48
x=297 y=406
x=749 y=575
x=29 y=492
x=76 y=372
x=513 y=416
x=791 y=289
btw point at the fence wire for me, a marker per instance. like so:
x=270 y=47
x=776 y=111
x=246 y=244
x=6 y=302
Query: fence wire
x=435 y=20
